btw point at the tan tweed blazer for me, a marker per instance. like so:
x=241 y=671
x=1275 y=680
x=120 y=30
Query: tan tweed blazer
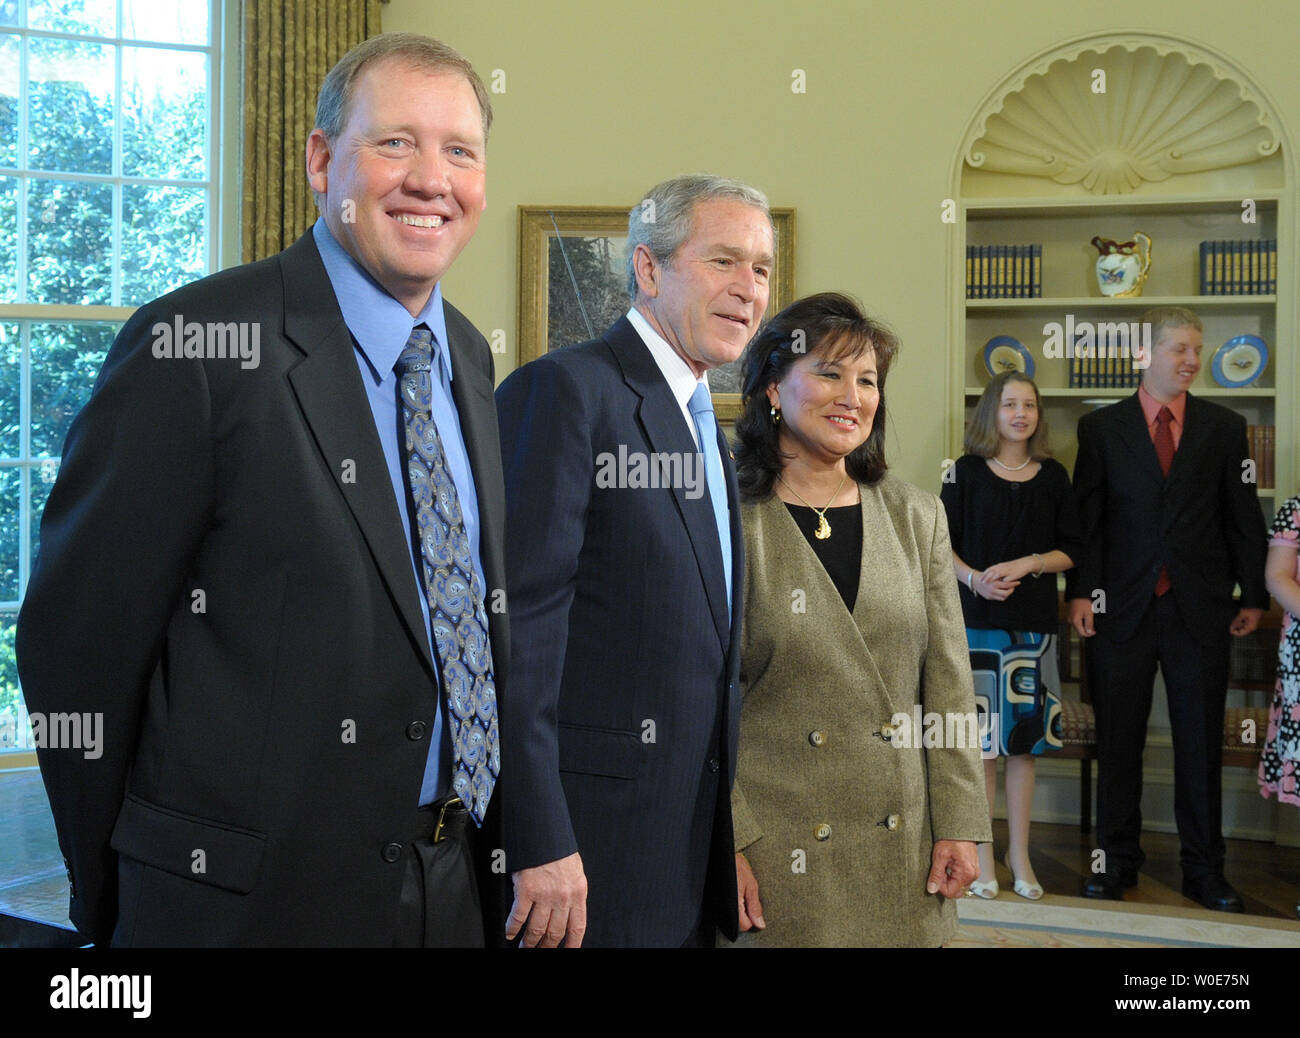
x=838 y=822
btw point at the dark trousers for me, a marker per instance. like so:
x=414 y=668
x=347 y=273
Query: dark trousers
x=1121 y=675
x=440 y=905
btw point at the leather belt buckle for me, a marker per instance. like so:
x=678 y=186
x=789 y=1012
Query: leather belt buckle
x=452 y=803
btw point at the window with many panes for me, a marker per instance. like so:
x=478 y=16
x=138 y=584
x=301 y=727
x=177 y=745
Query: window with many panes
x=107 y=199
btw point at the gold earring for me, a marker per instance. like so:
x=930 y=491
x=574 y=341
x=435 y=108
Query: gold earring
x=776 y=415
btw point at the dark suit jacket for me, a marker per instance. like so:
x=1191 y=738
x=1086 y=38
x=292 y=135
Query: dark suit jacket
x=1203 y=522
x=620 y=742
x=260 y=751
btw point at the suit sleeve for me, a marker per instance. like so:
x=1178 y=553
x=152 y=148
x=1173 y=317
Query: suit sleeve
x=745 y=827
x=1090 y=495
x=547 y=455
x=950 y=493
x=744 y=822
x=1068 y=538
x=118 y=534
x=1244 y=522
x=958 y=807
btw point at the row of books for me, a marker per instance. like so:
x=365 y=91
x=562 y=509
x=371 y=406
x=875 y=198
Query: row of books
x=1103 y=372
x=1239 y=268
x=1260 y=440
x=1004 y=271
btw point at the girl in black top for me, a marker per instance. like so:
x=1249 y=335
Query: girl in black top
x=1012 y=519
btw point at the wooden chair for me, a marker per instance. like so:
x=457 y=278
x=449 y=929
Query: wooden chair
x=1078 y=722
x=1253 y=670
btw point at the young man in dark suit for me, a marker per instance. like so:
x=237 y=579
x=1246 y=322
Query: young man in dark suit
x=237 y=565
x=1171 y=523
x=625 y=561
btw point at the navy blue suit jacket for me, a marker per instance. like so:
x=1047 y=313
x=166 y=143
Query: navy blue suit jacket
x=620 y=738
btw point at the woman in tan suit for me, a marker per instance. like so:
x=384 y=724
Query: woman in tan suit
x=859 y=791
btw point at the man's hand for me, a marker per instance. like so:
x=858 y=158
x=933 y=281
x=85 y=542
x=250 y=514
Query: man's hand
x=1245 y=621
x=552 y=899
x=1081 y=617
x=751 y=908
x=953 y=866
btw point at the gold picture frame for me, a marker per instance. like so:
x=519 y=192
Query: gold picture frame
x=603 y=232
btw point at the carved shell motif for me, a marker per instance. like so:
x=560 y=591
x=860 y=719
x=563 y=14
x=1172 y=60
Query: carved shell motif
x=1158 y=115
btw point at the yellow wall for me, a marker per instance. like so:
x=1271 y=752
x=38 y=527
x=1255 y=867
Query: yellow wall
x=604 y=100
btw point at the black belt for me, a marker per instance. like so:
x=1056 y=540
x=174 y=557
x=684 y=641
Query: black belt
x=452 y=817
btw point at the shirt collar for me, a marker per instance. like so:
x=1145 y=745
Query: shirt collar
x=1151 y=406
x=681 y=380
x=378 y=322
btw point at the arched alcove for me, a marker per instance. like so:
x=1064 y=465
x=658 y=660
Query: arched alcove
x=1109 y=134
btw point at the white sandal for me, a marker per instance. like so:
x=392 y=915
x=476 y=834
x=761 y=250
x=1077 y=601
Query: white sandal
x=1029 y=891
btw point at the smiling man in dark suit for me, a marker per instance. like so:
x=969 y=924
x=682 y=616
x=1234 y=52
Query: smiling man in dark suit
x=1171 y=522
x=624 y=556
x=275 y=580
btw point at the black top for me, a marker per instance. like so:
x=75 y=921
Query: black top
x=994 y=520
x=841 y=552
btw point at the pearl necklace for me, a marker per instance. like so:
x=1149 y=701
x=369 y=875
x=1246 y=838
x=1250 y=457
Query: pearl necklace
x=823 y=527
x=997 y=461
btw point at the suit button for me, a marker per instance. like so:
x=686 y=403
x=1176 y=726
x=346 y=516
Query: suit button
x=391 y=852
x=817 y=738
x=823 y=832
x=714 y=764
x=415 y=730
x=893 y=822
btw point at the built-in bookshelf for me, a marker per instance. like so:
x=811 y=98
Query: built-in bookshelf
x=1103 y=136
x=1007 y=205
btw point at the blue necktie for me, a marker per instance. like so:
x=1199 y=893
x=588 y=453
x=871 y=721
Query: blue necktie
x=706 y=426
x=452 y=585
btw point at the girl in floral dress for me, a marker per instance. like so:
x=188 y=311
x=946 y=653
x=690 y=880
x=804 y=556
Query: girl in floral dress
x=1279 y=764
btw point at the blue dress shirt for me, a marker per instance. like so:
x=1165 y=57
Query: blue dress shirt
x=380 y=326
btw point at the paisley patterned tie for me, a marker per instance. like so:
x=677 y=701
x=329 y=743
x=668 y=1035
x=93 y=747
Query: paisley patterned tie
x=453 y=587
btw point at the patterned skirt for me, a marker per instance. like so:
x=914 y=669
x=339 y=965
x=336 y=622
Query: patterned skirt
x=1017 y=691
x=1279 y=763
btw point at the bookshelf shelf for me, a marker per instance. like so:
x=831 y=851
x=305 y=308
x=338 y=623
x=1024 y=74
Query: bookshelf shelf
x=1110 y=394
x=1138 y=303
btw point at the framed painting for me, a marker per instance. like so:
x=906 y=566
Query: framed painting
x=573 y=282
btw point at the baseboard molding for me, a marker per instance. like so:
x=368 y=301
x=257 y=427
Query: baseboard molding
x=1246 y=814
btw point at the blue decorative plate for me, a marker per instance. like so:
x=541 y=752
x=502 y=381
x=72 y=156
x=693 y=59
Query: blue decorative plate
x=1003 y=353
x=1239 y=361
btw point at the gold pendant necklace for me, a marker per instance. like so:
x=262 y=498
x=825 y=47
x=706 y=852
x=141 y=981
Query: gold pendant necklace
x=823 y=527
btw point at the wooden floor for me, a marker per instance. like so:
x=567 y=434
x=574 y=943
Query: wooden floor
x=32 y=880
x=1267 y=876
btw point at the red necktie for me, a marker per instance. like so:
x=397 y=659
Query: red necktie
x=1165 y=455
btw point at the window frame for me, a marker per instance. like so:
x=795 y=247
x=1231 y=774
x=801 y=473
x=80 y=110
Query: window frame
x=222 y=227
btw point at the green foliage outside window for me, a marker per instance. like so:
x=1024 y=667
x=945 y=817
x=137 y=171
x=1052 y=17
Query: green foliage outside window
x=69 y=254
